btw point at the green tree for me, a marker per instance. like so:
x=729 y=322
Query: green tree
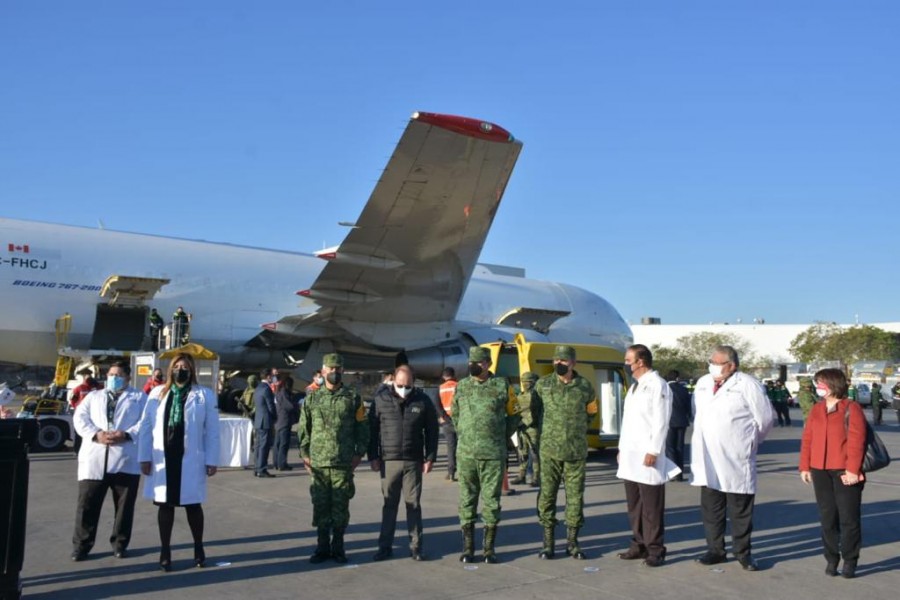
x=698 y=346
x=828 y=341
x=813 y=343
x=667 y=359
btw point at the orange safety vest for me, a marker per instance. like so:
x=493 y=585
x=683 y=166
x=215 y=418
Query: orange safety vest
x=446 y=390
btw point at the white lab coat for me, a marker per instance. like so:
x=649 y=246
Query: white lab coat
x=645 y=424
x=728 y=428
x=201 y=444
x=90 y=418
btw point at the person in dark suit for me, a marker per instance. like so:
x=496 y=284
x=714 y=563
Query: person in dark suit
x=264 y=421
x=287 y=414
x=678 y=422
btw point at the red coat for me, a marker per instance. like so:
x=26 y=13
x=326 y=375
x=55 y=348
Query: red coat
x=82 y=390
x=829 y=444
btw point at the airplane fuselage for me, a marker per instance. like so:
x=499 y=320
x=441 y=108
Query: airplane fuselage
x=47 y=270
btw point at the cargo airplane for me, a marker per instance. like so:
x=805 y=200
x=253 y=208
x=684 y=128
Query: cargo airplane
x=404 y=280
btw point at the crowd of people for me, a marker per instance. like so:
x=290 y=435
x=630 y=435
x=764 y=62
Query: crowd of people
x=169 y=433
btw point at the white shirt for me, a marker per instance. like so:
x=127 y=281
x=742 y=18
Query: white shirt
x=645 y=424
x=729 y=425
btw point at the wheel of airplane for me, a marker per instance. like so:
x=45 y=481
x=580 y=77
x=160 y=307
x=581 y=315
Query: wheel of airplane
x=52 y=435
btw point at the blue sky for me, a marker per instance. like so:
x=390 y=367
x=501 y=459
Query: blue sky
x=696 y=161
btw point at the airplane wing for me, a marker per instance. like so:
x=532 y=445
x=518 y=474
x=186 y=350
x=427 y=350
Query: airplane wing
x=409 y=256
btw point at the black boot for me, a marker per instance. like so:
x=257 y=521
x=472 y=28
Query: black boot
x=323 y=548
x=572 y=548
x=548 y=551
x=337 y=546
x=490 y=536
x=468 y=553
x=849 y=570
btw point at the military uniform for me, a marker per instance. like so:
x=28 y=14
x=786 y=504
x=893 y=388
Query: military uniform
x=806 y=397
x=333 y=431
x=528 y=447
x=895 y=399
x=480 y=411
x=568 y=409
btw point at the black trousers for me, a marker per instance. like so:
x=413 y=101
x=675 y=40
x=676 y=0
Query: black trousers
x=450 y=436
x=282 y=445
x=713 y=504
x=91 y=494
x=839 y=513
x=646 y=514
x=675 y=446
x=264 y=439
x=401 y=477
x=783 y=411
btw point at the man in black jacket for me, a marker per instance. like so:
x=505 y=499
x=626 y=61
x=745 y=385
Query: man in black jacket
x=264 y=421
x=679 y=421
x=403 y=444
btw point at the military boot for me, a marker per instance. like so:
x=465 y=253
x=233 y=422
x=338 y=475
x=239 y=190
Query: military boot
x=572 y=548
x=468 y=553
x=337 y=546
x=548 y=551
x=490 y=535
x=323 y=549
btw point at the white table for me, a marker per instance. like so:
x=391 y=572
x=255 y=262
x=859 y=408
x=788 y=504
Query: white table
x=234 y=440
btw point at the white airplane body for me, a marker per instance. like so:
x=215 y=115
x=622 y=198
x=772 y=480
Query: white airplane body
x=404 y=280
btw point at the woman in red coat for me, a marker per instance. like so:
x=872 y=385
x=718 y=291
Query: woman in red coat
x=831 y=457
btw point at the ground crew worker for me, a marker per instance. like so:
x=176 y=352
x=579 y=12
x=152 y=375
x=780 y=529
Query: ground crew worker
x=528 y=444
x=876 y=403
x=445 y=410
x=156 y=325
x=780 y=397
x=481 y=408
x=569 y=404
x=895 y=399
x=181 y=322
x=334 y=435
x=806 y=397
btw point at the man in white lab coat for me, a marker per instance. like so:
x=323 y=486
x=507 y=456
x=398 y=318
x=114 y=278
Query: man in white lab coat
x=109 y=421
x=642 y=459
x=732 y=417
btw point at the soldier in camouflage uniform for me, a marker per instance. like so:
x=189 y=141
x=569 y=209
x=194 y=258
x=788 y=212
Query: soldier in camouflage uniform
x=483 y=405
x=569 y=404
x=334 y=435
x=806 y=397
x=529 y=430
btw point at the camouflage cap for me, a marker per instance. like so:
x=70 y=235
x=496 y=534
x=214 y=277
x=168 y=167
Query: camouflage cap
x=479 y=354
x=564 y=353
x=529 y=376
x=333 y=360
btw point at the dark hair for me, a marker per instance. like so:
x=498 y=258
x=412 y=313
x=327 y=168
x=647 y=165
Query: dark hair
x=835 y=380
x=123 y=366
x=673 y=375
x=449 y=372
x=643 y=354
x=170 y=373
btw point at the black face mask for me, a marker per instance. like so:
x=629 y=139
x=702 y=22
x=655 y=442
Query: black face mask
x=561 y=369
x=475 y=369
x=333 y=378
x=182 y=376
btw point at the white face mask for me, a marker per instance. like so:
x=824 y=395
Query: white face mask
x=401 y=391
x=821 y=393
x=716 y=370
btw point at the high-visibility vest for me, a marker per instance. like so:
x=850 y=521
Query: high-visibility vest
x=446 y=390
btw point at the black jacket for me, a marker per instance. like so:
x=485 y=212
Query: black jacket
x=264 y=400
x=681 y=405
x=285 y=409
x=402 y=429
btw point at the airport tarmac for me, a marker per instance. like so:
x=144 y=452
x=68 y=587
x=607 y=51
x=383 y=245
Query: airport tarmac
x=258 y=539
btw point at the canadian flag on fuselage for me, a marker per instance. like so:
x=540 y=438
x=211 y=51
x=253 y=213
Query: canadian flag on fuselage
x=17 y=248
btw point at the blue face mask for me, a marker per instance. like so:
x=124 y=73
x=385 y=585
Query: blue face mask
x=115 y=383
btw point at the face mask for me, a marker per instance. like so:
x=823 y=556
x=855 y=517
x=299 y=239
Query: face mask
x=334 y=378
x=561 y=369
x=115 y=383
x=320 y=380
x=182 y=376
x=402 y=391
x=821 y=393
x=475 y=369
x=716 y=370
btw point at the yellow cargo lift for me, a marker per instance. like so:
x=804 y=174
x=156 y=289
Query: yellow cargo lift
x=601 y=365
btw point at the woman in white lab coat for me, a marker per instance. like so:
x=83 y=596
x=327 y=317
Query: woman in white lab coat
x=179 y=449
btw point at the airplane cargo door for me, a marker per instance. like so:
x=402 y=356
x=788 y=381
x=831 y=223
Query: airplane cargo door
x=119 y=327
x=611 y=391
